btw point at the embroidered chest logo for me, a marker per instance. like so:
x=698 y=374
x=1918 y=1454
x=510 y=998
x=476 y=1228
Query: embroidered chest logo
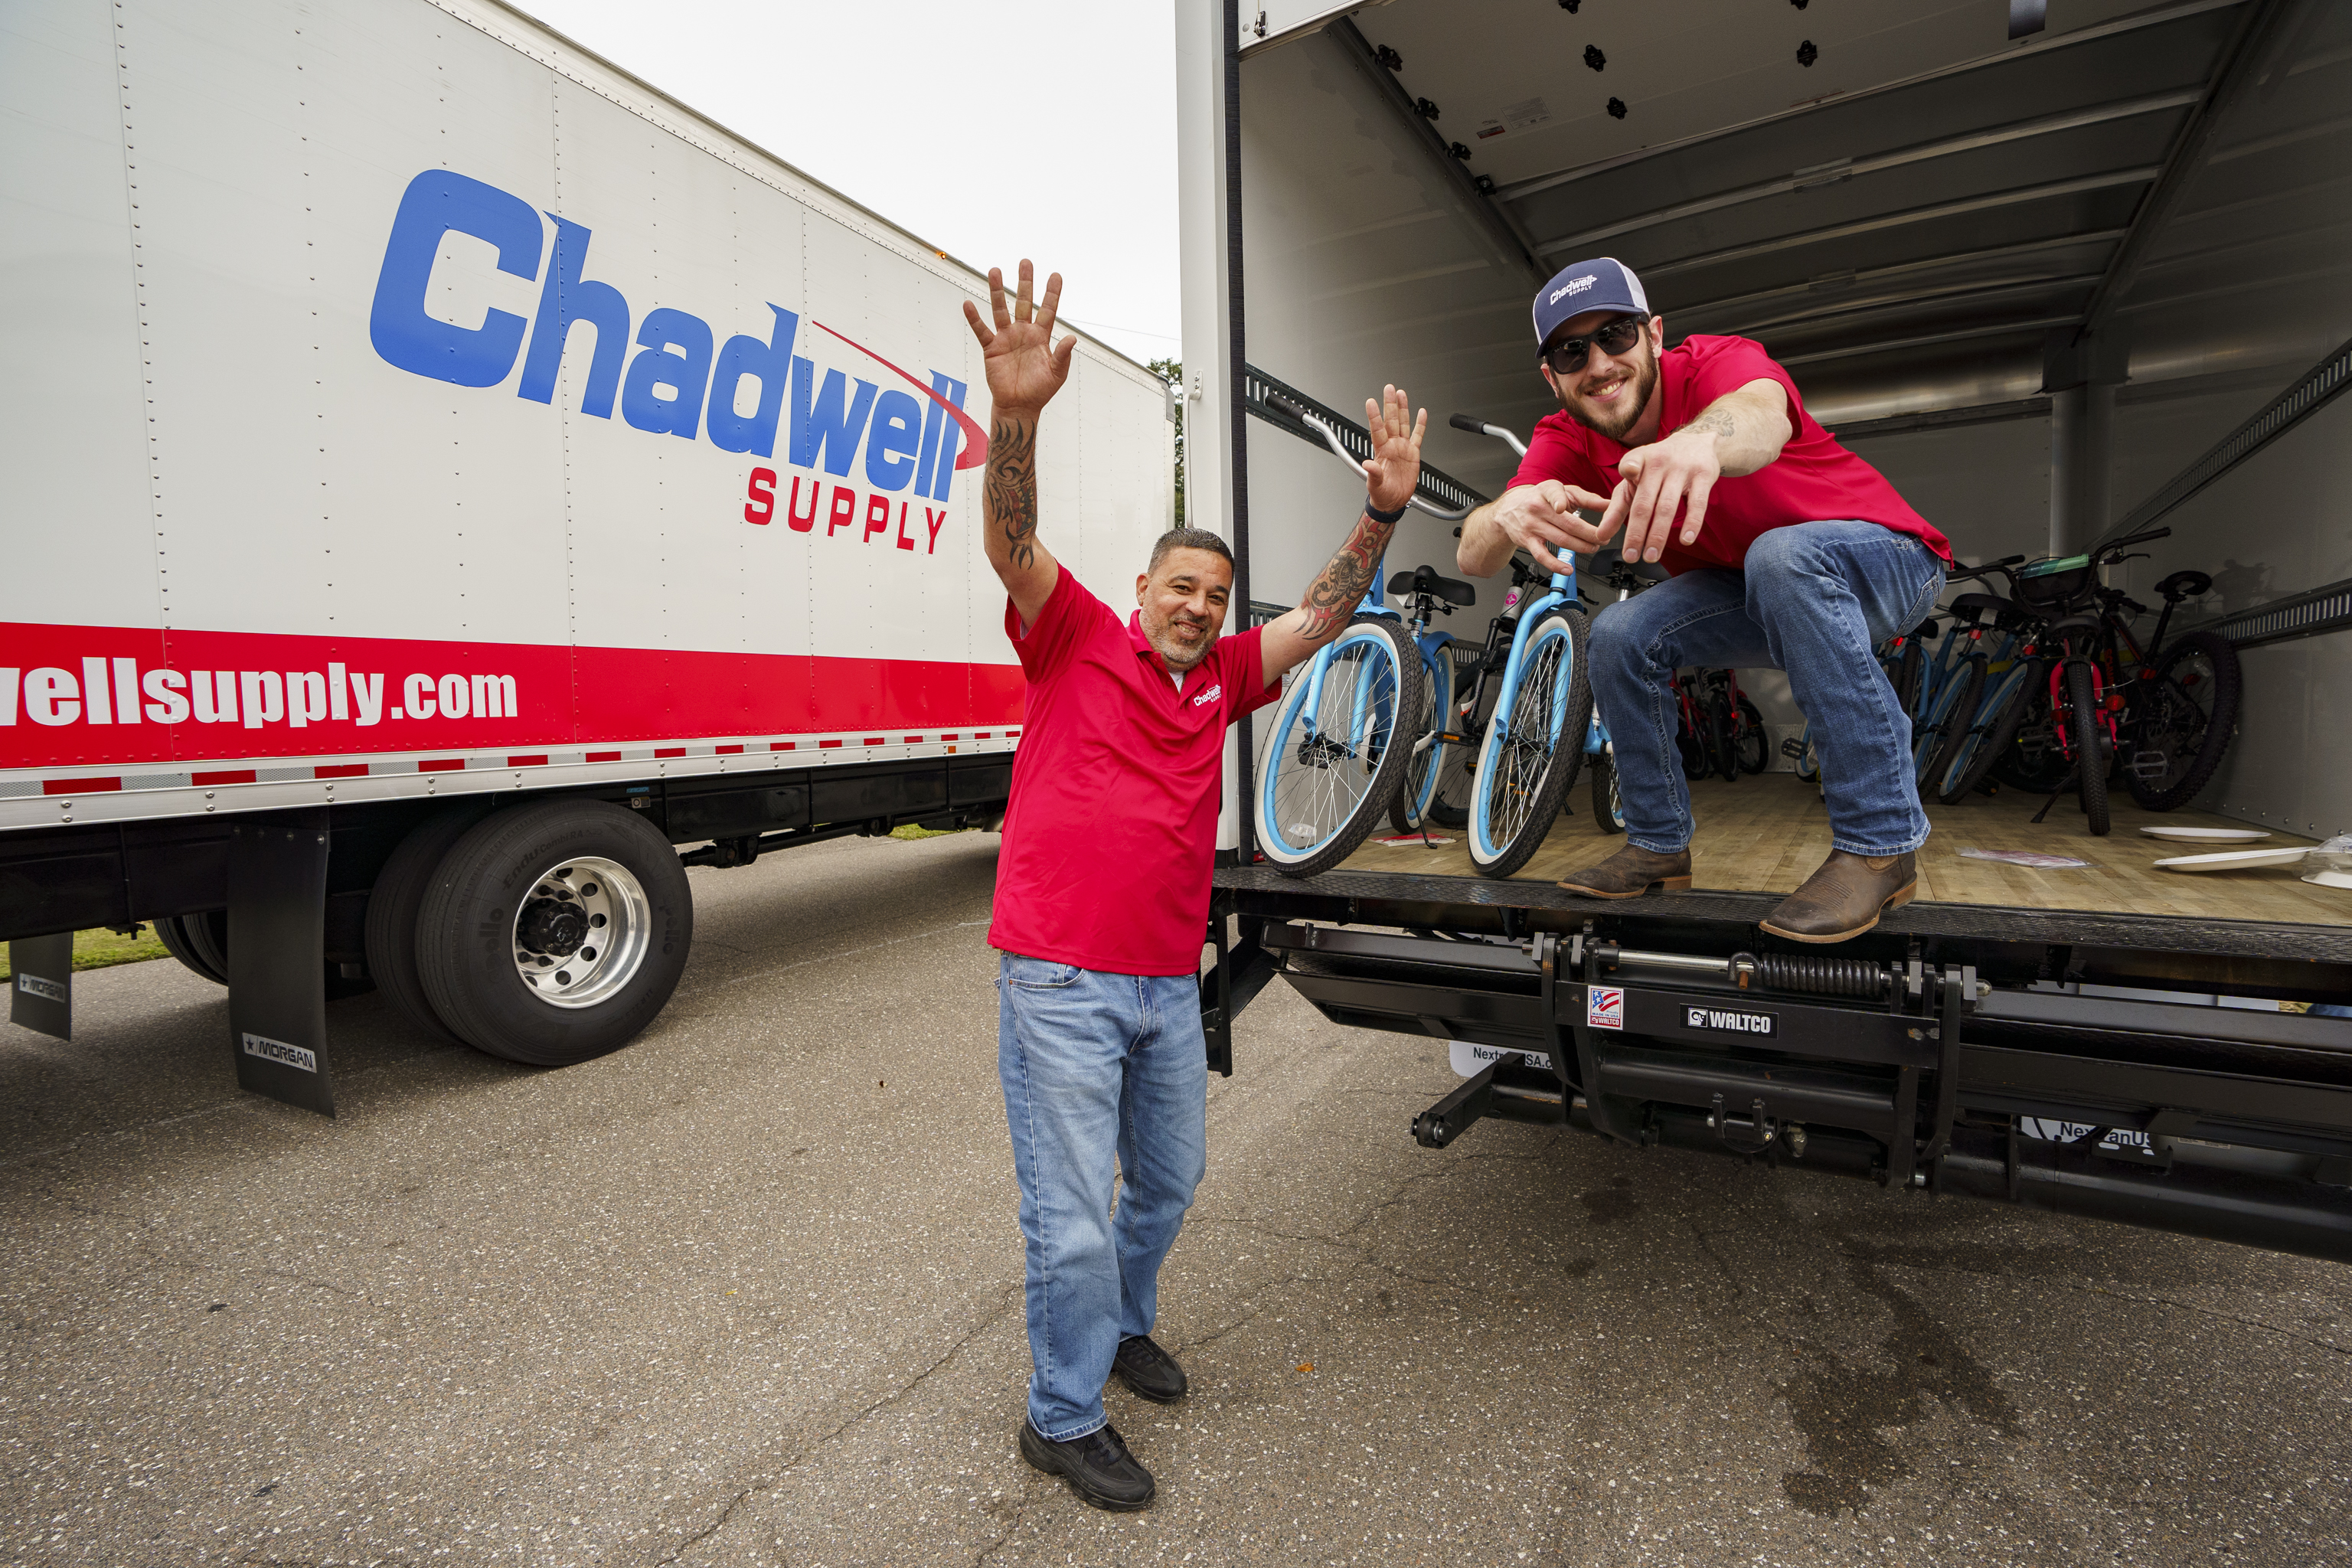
x=1208 y=696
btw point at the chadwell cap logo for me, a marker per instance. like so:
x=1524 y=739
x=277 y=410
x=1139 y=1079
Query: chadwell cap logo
x=1574 y=286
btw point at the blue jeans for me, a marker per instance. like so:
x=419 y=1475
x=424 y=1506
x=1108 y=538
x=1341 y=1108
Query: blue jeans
x=1095 y=1064
x=1812 y=600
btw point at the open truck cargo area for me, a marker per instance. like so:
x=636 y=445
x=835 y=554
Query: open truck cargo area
x=446 y=475
x=2064 y=275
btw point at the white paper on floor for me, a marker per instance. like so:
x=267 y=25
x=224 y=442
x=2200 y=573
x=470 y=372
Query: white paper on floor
x=2024 y=858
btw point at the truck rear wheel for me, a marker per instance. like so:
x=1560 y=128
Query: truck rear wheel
x=554 y=933
x=395 y=903
x=199 y=942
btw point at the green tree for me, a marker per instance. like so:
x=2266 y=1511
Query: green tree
x=1172 y=372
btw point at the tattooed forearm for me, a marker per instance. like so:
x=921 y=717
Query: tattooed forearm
x=1332 y=597
x=1009 y=498
x=1717 y=420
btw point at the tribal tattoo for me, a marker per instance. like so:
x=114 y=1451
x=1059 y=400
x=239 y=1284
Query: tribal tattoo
x=1010 y=495
x=1332 y=597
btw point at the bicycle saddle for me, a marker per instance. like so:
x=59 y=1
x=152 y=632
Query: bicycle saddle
x=2185 y=585
x=1424 y=580
x=1968 y=607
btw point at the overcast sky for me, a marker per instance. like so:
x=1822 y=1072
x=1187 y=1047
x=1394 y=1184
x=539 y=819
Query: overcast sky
x=1059 y=143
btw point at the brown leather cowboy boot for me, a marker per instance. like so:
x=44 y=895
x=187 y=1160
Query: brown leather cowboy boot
x=1629 y=873
x=1844 y=898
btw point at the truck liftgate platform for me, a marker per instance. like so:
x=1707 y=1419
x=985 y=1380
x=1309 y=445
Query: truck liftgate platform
x=1957 y=1048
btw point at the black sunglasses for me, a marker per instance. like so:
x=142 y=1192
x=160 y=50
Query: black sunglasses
x=1566 y=356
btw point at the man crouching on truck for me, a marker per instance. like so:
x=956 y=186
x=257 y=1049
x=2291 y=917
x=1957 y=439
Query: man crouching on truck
x=1792 y=553
x=1102 y=894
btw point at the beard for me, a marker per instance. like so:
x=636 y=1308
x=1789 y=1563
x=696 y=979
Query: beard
x=1626 y=413
x=1179 y=655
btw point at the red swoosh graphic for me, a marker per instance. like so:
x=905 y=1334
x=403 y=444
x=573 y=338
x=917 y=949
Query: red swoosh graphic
x=975 y=446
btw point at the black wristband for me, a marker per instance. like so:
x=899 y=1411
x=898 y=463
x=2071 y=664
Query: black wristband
x=1382 y=518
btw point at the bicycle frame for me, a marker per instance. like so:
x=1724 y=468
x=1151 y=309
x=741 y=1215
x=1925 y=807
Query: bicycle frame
x=1561 y=591
x=1320 y=665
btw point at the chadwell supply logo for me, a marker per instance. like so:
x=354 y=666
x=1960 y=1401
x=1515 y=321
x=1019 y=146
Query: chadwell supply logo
x=682 y=381
x=1574 y=286
x=1208 y=696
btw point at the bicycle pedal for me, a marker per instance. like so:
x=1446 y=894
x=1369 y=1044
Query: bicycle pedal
x=1793 y=747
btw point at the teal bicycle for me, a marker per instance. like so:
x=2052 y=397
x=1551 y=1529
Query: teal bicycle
x=1347 y=733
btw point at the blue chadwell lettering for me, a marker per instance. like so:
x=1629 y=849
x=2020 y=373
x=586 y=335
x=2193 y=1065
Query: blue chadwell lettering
x=681 y=381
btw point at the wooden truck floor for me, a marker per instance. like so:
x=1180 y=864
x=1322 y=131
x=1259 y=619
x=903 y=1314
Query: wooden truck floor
x=1765 y=833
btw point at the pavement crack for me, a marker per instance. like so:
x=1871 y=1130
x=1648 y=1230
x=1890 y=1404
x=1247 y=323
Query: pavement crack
x=766 y=1479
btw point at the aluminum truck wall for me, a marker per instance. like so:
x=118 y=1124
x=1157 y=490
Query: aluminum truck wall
x=389 y=383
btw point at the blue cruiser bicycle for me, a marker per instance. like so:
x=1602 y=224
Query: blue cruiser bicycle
x=1370 y=730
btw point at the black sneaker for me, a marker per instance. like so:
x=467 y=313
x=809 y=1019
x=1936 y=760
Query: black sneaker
x=1149 y=1371
x=1098 y=1467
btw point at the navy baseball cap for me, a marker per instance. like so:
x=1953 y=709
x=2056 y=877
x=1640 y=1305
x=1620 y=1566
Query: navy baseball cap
x=1602 y=284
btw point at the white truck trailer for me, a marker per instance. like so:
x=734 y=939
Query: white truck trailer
x=2068 y=274
x=444 y=473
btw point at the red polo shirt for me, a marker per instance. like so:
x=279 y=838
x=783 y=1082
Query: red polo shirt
x=1814 y=479
x=1113 y=822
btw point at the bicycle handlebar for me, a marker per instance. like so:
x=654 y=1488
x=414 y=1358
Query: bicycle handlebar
x=1477 y=427
x=1282 y=405
x=2137 y=538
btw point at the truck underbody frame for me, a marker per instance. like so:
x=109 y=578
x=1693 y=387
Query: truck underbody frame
x=1954 y=1049
x=292 y=887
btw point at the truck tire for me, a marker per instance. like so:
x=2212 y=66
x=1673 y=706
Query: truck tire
x=584 y=898
x=199 y=942
x=395 y=903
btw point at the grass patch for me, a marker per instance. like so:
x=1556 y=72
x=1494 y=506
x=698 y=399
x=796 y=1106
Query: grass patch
x=911 y=832
x=102 y=949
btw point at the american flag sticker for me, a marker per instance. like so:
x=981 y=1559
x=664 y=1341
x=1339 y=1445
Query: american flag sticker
x=1604 y=1007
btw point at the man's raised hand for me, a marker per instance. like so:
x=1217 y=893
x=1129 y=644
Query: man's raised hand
x=1025 y=367
x=1395 y=467
x=1542 y=517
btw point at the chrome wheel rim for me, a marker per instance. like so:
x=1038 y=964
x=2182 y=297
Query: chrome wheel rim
x=581 y=933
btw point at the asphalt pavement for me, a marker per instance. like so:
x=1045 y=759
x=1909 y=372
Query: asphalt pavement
x=750 y=1292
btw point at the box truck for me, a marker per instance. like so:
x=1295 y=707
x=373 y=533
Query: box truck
x=2067 y=275
x=444 y=475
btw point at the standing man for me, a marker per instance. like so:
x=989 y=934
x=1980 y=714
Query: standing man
x=1102 y=893
x=1787 y=550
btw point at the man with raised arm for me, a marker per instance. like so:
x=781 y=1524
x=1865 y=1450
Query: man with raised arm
x=1787 y=550
x=1102 y=892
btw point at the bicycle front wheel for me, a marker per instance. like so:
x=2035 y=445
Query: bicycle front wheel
x=1749 y=739
x=1426 y=765
x=1607 y=802
x=1809 y=756
x=1990 y=737
x=1955 y=720
x=1533 y=747
x=1721 y=756
x=2090 y=762
x=1325 y=778
x=2189 y=714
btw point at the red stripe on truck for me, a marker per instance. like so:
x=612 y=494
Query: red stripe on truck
x=341 y=770
x=669 y=750
x=442 y=765
x=727 y=751
x=79 y=786
x=208 y=696
x=539 y=760
x=603 y=756
x=227 y=776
